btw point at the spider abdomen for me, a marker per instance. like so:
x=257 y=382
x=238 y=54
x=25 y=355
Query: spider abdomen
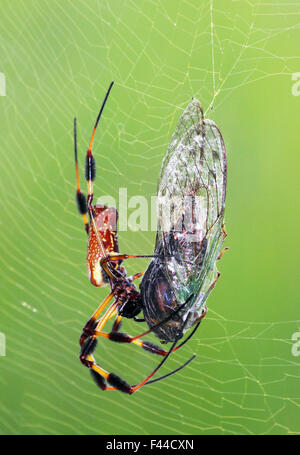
x=106 y=225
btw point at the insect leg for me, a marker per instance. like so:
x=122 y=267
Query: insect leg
x=211 y=286
x=222 y=252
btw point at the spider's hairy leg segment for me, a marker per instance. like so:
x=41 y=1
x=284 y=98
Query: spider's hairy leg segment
x=135 y=276
x=120 y=337
x=90 y=326
x=99 y=380
x=80 y=197
x=90 y=167
x=81 y=203
x=117 y=324
x=153 y=348
x=87 y=349
x=88 y=331
x=119 y=383
x=90 y=164
x=99 y=375
x=119 y=256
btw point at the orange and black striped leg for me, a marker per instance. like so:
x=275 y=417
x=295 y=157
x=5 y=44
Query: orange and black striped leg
x=116 y=381
x=118 y=257
x=149 y=346
x=117 y=324
x=135 y=276
x=90 y=174
x=80 y=197
x=90 y=165
x=121 y=337
x=99 y=374
x=90 y=326
x=88 y=347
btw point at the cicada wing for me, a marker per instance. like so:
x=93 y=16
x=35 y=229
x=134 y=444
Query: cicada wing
x=191 y=203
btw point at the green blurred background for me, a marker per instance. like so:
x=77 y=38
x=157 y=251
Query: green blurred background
x=58 y=59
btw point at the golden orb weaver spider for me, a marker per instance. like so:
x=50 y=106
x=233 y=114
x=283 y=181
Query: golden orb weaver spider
x=104 y=267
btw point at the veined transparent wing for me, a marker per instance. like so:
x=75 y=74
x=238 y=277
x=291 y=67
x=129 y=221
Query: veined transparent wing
x=191 y=203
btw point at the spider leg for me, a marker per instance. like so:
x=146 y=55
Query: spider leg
x=89 y=327
x=117 y=324
x=80 y=197
x=139 y=319
x=88 y=348
x=90 y=174
x=135 y=276
x=107 y=258
x=138 y=386
x=90 y=164
x=153 y=348
x=115 y=381
x=118 y=256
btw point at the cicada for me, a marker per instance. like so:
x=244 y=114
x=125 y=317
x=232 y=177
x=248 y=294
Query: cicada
x=190 y=231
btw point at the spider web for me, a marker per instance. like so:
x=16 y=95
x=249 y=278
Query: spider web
x=237 y=58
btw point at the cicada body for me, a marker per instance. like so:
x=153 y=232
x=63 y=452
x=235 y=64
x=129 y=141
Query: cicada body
x=190 y=231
